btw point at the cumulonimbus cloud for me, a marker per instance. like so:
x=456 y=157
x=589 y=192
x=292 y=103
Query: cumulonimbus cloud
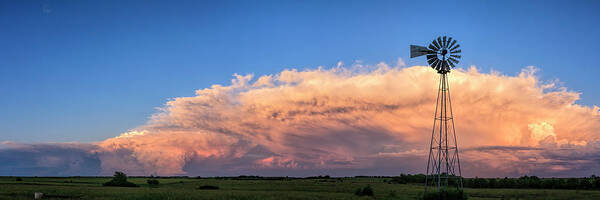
x=357 y=121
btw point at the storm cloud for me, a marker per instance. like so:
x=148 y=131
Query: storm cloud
x=49 y=159
x=360 y=120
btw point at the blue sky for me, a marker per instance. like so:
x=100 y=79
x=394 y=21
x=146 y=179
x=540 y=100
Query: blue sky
x=89 y=70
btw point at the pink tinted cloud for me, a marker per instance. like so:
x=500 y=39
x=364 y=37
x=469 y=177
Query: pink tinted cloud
x=377 y=120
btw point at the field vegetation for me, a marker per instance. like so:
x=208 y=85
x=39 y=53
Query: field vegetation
x=255 y=187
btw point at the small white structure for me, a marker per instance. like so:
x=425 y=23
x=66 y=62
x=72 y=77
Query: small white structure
x=38 y=195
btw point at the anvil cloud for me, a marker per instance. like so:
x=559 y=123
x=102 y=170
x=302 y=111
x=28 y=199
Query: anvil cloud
x=360 y=120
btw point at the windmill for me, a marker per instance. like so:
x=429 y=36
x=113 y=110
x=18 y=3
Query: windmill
x=443 y=164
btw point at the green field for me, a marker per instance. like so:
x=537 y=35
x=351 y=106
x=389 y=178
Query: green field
x=187 y=188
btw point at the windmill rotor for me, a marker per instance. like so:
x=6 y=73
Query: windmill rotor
x=442 y=54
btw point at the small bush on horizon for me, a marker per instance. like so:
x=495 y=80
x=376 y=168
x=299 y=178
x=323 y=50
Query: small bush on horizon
x=119 y=180
x=152 y=182
x=18 y=179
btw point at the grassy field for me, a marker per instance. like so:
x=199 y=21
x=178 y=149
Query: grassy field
x=187 y=188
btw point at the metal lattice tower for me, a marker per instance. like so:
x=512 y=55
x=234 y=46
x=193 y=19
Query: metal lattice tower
x=443 y=164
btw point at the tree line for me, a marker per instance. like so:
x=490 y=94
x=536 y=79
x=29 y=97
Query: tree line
x=584 y=183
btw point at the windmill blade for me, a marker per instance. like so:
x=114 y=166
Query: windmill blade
x=416 y=51
x=452 y=44
x=436 y=44
x=448 y=44
x=452 y=64
x=456 y=47
x=438 y=65
x=439 y=40
x=433 y=48
x=456 y=56
x=429 y=57
x=457 y=51
x=453 y=60
x=435 y=63
x=445 y=40
x=431 y=61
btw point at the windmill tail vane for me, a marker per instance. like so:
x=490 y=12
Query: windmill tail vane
x=443 y=164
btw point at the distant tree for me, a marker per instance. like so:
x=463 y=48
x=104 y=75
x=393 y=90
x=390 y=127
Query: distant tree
x=507 y=183
x=119 y=180
x=572 y=183
x=402 y=179
x=479 y=183
x=586 y=183
x=535 y=182
x=18 y=179
x=492 y=183
x=548 y=183
x=596 y=182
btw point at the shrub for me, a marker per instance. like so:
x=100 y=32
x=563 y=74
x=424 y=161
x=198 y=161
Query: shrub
x=393 y=193
x=19 y=179
x=208 y=187
x=358 y=192
x=366 y=191
x=398 y=180
x=408 y=178
x=119 y=180
x=445 y=194
x=152 y=182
